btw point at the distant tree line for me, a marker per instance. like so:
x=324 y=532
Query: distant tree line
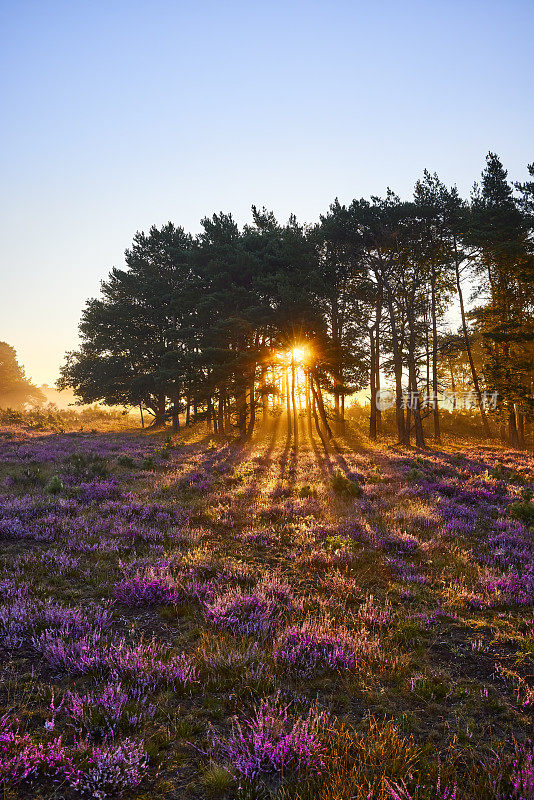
x=207 y=325
x=16 y=390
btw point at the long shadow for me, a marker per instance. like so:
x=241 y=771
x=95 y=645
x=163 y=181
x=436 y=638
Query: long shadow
x=272 y=435
x=218 y=461
x=323 y=460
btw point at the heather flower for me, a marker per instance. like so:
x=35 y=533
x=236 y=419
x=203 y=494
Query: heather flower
x=309 y=648
x=274 y=742
x=244 y=612
x=72 y=655
x=400 y=540
x=105 y=711
x=98 y=490
x=258 y=612
x=29 y=621
x=374 y=614
x=150 y=665
x=21 y=758
x=142 y=591
x=111 y=769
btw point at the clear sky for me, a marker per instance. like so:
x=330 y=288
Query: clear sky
x=119 y=114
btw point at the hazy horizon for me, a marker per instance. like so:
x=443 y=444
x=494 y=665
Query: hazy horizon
x=119 y=117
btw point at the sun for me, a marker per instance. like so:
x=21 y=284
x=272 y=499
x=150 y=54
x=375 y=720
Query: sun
x=299 y=355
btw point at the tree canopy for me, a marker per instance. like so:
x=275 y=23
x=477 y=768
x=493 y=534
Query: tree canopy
x=15 y=388
x=284 y=315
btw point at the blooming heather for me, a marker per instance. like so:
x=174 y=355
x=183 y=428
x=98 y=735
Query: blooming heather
x=274 y=742
x=310 y=647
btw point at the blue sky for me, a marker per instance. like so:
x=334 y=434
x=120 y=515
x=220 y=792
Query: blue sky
x=118 y=115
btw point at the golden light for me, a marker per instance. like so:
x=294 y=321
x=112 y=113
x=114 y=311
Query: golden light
x=300 y=355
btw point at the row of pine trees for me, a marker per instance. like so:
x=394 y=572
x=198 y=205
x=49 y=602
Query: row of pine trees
x=205 y=325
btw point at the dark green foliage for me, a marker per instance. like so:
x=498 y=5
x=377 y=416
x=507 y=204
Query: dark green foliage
x=204 y=327
x=126 y=461
x=524 y=510
x=15 y=389
x=86 y=467
x=55 y=485
x=345 y=487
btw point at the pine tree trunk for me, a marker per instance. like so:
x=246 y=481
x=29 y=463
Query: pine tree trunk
x=288 y=402
x=372 y=376
x=412 y=380
x=210 y=416
x=295 y=414
x=316 y=389
x=252 y=420
x=159 y=416
x=521 y=429
x=220 y=410
x=437 y=432
x=242 y=411
x=513 y=438
x=485 y=423
x=377 y=366
x=315 y=417
x=176 y=416
x=264 y=397
x=397 y=366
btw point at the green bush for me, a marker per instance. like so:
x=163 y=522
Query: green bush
x=87 y=466
x=345 y=487
x=413 y=475
x=55 y=485
x=126 y=461
x=523 y=510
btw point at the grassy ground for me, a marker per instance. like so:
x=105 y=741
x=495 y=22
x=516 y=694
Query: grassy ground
x=189 y=617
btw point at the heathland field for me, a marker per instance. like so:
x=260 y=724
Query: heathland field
x=189 y=616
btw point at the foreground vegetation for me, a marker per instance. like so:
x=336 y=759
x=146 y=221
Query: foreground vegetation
x=191 y=616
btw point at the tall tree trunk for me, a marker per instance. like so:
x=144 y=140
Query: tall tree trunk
x=427 y=352
x=210 y=416
x=437 y=432
x=513 y=437
x=414 y=391
x=264 y=397
x=176 y=415
x=252 y=420
x=242 y=410
x=315 y=417
x=377 y=364
x=485 y=423
x=316 y=389
x=372 y=376
x=220 y=410
x=308 y=395
x=397 y=366
x=453 y=383
x=295 y=413
x=521 y=429
x=288 y=402
x=159 y=416
x=142 y=419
